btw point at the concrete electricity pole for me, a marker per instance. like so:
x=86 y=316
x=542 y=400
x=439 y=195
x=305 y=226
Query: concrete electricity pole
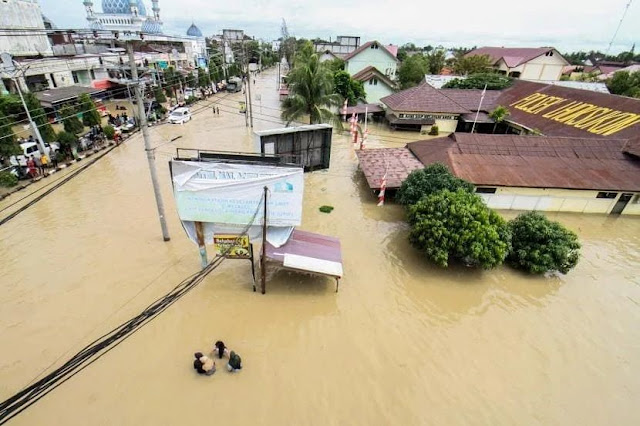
x=10 y=66
x=147 y=141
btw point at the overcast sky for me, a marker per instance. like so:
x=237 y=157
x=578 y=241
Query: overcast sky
x=567 y=25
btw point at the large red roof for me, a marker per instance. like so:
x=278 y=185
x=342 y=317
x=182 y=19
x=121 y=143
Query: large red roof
x=534 y=161
x=513 y=56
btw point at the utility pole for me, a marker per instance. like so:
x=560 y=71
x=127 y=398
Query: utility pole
x=246 y=63
x=11 y=67
x=147 y=142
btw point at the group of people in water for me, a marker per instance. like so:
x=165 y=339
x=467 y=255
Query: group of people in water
x=207 y=366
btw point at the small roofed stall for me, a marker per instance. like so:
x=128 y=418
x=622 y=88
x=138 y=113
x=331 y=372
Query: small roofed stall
x=308 y=252
x=52 y=99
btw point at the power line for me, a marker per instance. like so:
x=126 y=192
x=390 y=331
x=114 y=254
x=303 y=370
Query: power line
x=626 y=9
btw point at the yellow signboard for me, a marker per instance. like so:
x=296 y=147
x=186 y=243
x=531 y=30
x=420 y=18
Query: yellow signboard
x=235 y=246
x=581 y=115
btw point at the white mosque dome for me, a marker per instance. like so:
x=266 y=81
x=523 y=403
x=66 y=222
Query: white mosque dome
x=122 y=7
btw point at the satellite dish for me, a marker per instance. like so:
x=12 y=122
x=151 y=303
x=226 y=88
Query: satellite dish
x=7 y=62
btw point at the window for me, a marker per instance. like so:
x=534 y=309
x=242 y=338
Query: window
x=610 y=195
x=93 y=74
x=75 y=77
x=375 y=81
x=485 y=190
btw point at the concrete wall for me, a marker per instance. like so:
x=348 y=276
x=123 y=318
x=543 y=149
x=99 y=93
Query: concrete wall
x=376 y=91
x=540 y=68
x=22 y=14
x=556 y=200
x=378 y=58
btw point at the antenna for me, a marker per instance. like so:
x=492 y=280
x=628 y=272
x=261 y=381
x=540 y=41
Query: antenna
x=626 y=9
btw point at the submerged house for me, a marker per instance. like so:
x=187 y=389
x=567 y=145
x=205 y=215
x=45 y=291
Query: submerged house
x=528 y=63
x=375 y=65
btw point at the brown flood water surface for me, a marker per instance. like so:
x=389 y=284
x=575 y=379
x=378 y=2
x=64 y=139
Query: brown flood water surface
x=403 y=342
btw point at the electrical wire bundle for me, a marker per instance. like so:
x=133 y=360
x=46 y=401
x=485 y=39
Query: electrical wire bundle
x=102 y=345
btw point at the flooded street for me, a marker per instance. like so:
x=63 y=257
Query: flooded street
x=403 y=342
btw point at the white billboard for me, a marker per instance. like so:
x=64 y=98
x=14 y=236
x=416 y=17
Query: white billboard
x=227 y=193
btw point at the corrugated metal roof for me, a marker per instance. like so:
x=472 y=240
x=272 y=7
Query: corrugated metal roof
x=534 y=161
x=522 y=89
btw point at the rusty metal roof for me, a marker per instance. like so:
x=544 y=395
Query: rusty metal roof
x=470 y=98
x=396 y=162
x=534 y=161
x=522 y=89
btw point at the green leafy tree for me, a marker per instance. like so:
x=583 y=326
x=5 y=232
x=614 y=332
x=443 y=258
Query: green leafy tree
x=478 y=81
x=541 y=245
x=70 y=120
x=8 y=144
x=203 y=78
x=465 y=65
x=8 y=180
x=11 y=105
x=109 y=132
x=335 y=65
x=159 y=95
x=90 y=114
x=348 y=88
x=311 y=90
x=171 y=81
x=498 y=115
x=625 y=83
x=39 y=117
x=435 y=60
x=68 y=142
x=412 y=71
x=433 y=178
x=191 y=80
x=233 y=70
x=458 y=225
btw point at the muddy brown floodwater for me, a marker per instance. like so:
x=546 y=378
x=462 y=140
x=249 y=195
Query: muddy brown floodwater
x=403 y=342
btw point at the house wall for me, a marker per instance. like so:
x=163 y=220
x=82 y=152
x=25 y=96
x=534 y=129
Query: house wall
x=376 y=91
x=446 y=127
x=544 y=67
x=21 y=15
x=378 y=58
x=555 y=200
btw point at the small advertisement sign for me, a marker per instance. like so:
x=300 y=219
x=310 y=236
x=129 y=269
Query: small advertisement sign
x=235 y=246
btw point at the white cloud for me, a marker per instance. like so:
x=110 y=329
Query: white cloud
x=569 y=24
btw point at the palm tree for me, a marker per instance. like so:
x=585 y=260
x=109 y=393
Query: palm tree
x=310 y=90
x=498 y=115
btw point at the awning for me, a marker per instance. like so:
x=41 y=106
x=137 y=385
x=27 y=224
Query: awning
x=102 y=84
x=52 y=97
x=360 y=109
x=470 y=117
x=308 y=252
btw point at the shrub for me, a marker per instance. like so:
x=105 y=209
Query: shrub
x=478 y=81
x=541 y=245
x=458 y=225
x=67 y=140
x=326 y=209
x=190 y=100
x=431 y=179
x=434 y=130
x=159 y=95
x=109 y=132
x=8 y=180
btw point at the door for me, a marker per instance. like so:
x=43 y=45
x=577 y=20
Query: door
x=622 y=203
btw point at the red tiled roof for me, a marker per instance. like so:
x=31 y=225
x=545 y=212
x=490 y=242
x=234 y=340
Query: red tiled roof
x=422 y=98
x=513 y=56
x=366 y=46
x=534 y=161
x=369 y=72
x=522 y=89
x=397 y=163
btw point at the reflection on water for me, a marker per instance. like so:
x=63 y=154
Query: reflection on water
x=403 y=342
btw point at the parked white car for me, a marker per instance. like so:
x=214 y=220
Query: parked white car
x=192 y=93
x=180 y=116
x=31 y=148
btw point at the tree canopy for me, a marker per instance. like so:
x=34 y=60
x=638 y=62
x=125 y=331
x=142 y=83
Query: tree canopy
x=350 y=89
x=435 y=60
x=412 y=71
x=8 y=144
x=498 y=115
x=203 y=78
x=70 y=120
x=478 y=81
x=311 y=89
x=39 y=117
x=465 y=65
x=90 y=115
x=541 y=245
x=625 y=84
x=458 y=225
x=429 y=180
